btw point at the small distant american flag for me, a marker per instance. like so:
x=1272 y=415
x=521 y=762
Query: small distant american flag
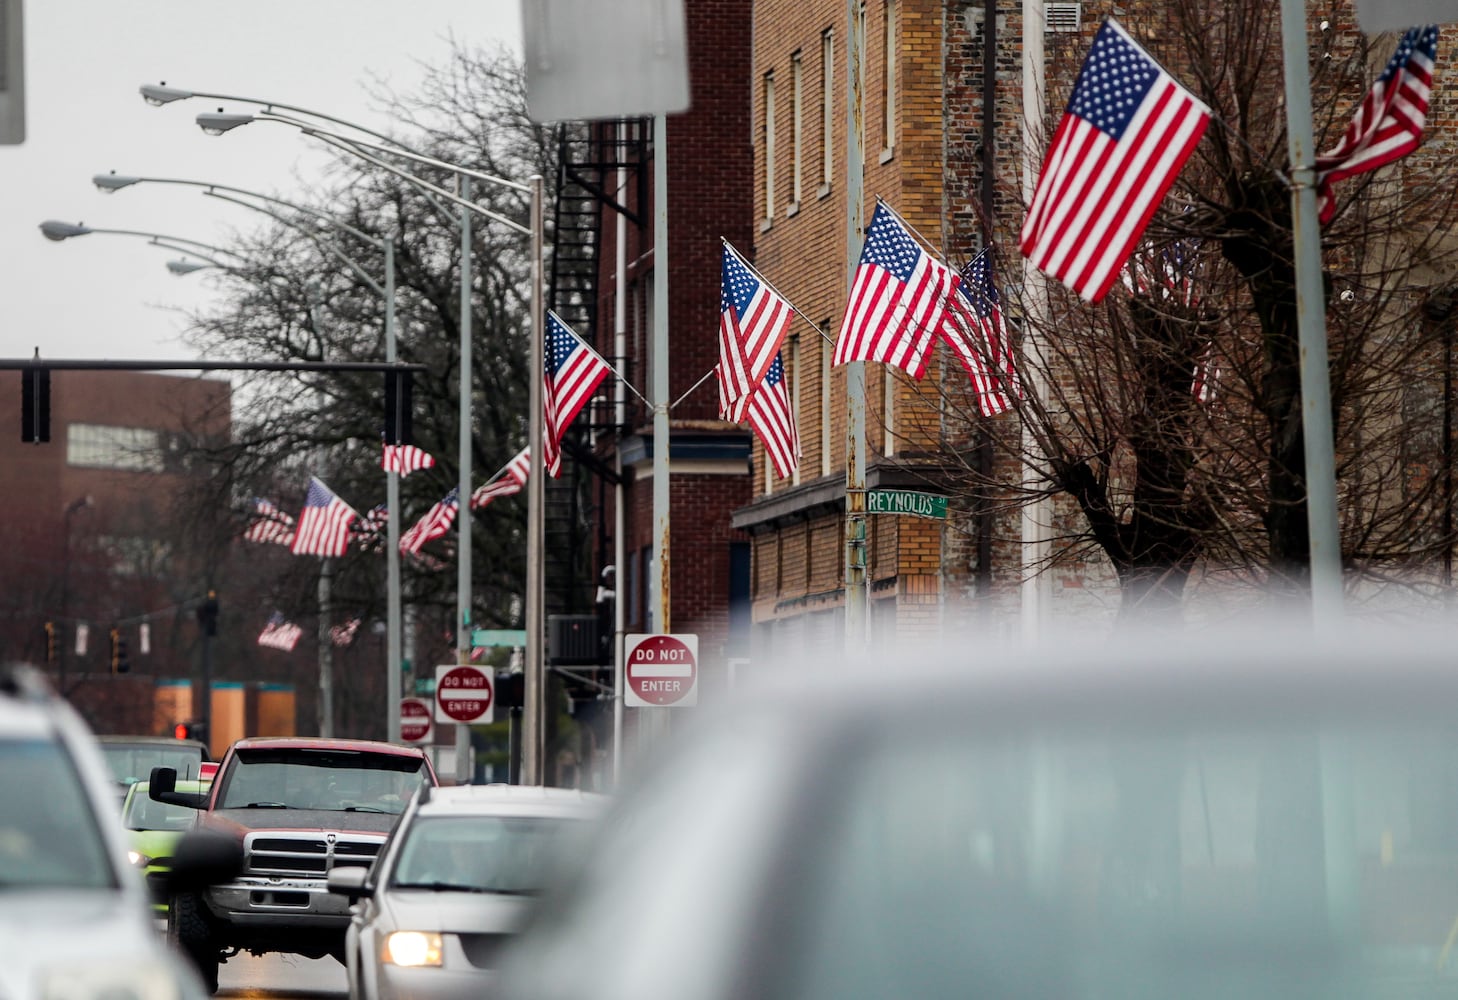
x=270 y=524
x=506 y=482
x=324 y=525
x=753 y=319
x=405 y=459
x=1127 y=131
x=343 y=635
x=898 y=300
x=1389 y=123
x=369 y=531
x=773 y=419
x=572 y=374
x=977 y=334
x=436 y=522
x=280 y=634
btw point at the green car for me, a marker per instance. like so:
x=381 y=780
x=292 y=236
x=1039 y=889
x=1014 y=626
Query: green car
x=153 y=829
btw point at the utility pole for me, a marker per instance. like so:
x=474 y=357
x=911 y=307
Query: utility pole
x=652 y=725
x=855 y=371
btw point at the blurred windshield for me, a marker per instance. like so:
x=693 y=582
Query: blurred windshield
x=134 y=762
x=142 y=813
x=48 y=831
x=506 y=854
x=333 y=780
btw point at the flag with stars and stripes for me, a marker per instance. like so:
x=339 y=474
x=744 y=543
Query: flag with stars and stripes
x=436 y=522
x=977 y=334
x=270 y=524
x=572 y=373
x=323 y=527
x=405 y=459
x=1127 y=131
x=773 y=419
x=753 y=319
x=509 y=480
x=1389 y=122
x=898 y=300
x=370 y=530
x=280 y=634
x=343 y=634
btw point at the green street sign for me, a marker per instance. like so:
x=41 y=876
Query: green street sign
x=906 y=502
x=513 y=637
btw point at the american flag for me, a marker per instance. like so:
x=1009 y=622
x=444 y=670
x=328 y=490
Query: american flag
x=753 y=319
x=324 y=525
x=1168 y=271
x=436 y=522
x=1389 y=123
x=977 y=334
x=1127 y=131
x=573 y=371
x=270 y=524
x=369 y=531
x=343 y=635
x=773 y=420
x=506 y=482
x=898 y=300
x=405 y=459
x=1207 y=375
x=280 y=634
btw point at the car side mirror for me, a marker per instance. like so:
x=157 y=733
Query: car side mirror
x=351 y=883
x=204 y=858
x=162 y=787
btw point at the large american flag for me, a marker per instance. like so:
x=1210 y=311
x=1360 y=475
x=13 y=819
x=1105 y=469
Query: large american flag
x=977 y=334
x=509 y=480
x=773 y=419
x=323 y=528
x=405 y=459
x=572 y=373
x=1127 y=131
x=280 y=634
x=270 y=524
x=1389 y=123
x=898 y=300
x=436 y=522
x=753 y=319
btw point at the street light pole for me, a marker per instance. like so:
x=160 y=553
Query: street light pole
x=534 y=736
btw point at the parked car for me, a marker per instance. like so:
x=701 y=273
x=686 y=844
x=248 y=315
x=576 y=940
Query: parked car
x=153 y=830
x=1204 y=816
x=74 y=920
x=131 y=758
x=454 y=883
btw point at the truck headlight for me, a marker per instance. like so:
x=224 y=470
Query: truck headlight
x=411 y=949
x=138 y=858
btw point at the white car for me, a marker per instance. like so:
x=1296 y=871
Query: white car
x=454 y=883
x=75 y=922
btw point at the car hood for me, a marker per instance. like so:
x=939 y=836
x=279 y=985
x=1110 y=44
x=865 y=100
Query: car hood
x=153 y=843
x=46 y=930
x=241 y=821
x=453 y=912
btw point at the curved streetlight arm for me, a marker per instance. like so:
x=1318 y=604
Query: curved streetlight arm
x=211 y=261
x=343 y=257
x=163 y=94
x=57 y=231
x=433 y=162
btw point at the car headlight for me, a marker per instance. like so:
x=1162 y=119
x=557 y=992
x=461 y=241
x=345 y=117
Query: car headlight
x=130 y=979
x=411 y=949
x=138 y=858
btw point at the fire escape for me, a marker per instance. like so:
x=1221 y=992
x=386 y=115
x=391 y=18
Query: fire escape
x=589 y=156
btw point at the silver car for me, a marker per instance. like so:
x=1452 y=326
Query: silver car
x=452 y=886
x=74 y=915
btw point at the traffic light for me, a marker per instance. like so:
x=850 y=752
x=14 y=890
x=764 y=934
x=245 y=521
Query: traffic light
x=398 y=408
x=35 y=404
x=50 y=642
x=207 y=614
x=510 y=690
x=191 y=730
x=119 y=662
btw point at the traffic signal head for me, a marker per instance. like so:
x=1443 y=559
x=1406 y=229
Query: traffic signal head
x=191 y=730
x=182 y=731
x=119 y=662
x=50 y=642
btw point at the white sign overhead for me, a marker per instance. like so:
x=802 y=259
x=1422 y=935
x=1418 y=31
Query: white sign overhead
x=1399 y=15
x=588 y=59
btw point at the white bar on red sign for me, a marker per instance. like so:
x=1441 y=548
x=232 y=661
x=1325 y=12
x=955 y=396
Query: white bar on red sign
x=661 y=669
x=462 y=694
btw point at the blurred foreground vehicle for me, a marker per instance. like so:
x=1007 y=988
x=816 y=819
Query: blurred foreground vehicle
x=153 y=831
x=131 y=758
x=1268 y=816
x=452 y=887
x=74 y=922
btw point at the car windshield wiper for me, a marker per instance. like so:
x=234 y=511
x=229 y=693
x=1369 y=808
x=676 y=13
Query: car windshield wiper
x=264 y=805
x=364 y=809
x=437 y=886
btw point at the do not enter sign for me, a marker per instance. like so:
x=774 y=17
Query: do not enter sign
x=661 y=671
x=463 y=693
x=414 y=720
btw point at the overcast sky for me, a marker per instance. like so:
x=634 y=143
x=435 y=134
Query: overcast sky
x=112 y=296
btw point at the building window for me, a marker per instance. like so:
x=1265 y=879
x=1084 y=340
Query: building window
x=889 y=409
x=96 y=446
x=888 y=85
x=827 y=110
x=825 y=354
x=634 y=589
x=797 y=129
x=769 y=148
x=795 y=381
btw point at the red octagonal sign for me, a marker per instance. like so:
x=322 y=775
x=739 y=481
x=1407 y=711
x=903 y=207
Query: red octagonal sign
x=463 y=694
x=661 y=670
x=414 y=720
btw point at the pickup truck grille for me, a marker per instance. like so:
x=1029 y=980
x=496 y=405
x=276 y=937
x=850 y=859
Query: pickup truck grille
x=308 y=855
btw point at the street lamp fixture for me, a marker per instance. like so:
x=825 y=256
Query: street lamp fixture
x=53 y=229
x=160 y=94
x=187 y=266
x=216 y=123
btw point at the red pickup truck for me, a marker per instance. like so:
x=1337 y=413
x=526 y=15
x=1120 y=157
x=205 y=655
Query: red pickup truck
x=299 y=807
